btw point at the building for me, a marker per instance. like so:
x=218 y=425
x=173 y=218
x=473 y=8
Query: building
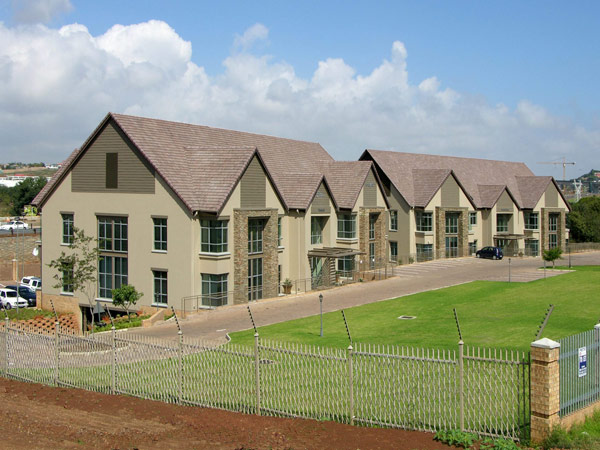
x=196 y=216
x=442 y=206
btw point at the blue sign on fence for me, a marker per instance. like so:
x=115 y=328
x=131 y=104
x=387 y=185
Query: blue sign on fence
x=582 y=362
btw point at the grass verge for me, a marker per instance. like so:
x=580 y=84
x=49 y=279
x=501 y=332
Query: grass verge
x=491 y=314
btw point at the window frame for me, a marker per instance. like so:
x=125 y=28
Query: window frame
x=216 y=297
x=346 y=226
x=160 y=243
x=424 y=221
x=472 y=220
x=451 y=223
x=553 y=222
x=393 y=220
x=68 y=223
x=528 y=216
x=394 y=254
x=316 y=230
x=163 y=284
x=502 y=226
x=256 y=228
x=214 y=236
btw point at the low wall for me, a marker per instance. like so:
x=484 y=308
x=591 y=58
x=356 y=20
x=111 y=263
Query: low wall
x=62 y=305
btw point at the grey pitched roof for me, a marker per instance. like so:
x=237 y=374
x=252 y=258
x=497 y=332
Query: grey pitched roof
x=471 y=173
x=489 y=194
x=426 y=182
x=202 y=164
x=346 y=179
x=531 y=189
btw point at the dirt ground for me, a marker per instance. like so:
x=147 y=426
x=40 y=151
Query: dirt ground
x=35 y=416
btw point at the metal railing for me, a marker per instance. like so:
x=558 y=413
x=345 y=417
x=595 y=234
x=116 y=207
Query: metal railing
x=579 y=363
x=480 y=390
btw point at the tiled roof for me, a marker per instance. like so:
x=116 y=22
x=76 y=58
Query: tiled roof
x=280 y=156
x=202 y=164
x=531 y=189
x=489 y=194
x=346 y=179
x=426 y=182
x=57 y=175
x=470 y=173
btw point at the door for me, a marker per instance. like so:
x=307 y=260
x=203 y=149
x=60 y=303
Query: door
x=451 y=246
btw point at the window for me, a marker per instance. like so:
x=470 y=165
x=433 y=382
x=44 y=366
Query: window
x=451 y=223
x=473 y=247
x=552 y=241
x=424 y=252
x=112 y=269
x=472 y=220
x=532 y=247
x=160 y=234
x=393 y=220
x=346 y=226
x=502 y=223
x=316 y=230
x=213 y=236
x=112 y=234
x=160 y=287
x=255 y=278
x=67 y=229
x=112 y=274
x=424 y=220
x=345 y=265
x=553 y=222
x=372 y=221
x=279 y=232
x=372 y=255
x=67 y=278
x=112 y=170
x=393 y=251
x=531 y=220
x=214 y=289
x=255 y=235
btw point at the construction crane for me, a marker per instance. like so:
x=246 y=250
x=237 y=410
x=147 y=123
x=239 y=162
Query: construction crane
x=564 y=163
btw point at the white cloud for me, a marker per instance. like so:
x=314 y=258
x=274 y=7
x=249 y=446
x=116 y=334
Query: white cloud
x=39 y=11
x=257 y=32
x=59 y=83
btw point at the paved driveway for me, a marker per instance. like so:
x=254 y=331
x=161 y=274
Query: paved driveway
x=410 y=279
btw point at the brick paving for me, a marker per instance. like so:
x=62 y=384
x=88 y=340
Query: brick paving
x=214 y=324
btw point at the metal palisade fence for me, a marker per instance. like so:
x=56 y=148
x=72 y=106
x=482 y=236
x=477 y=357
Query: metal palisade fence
x=579 y=366
x=479 y=390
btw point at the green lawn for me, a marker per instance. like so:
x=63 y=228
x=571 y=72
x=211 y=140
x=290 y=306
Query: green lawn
x=491 y=314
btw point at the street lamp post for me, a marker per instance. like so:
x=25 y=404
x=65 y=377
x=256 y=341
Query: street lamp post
x=321 y=303
x=509 y=270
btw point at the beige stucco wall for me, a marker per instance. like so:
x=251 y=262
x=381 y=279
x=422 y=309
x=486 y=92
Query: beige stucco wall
x=139 y=210
x=223 y=263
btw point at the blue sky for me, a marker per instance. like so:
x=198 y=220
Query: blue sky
x=499 y=80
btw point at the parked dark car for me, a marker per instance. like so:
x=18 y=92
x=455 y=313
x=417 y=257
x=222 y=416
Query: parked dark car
x=24 y=292
x=489 y=252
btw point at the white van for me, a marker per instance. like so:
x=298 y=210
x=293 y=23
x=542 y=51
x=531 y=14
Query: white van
x=33 y=283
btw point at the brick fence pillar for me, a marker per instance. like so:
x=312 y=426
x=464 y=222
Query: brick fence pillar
x=545 y=388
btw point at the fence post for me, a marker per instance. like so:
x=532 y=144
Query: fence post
x=461 y=384
x=57 y=352
x=180 y=384
x=6 y=322
x=597 y=356
x=257 y=372
x=113 y=363
x=350 y=385
x=545 y=388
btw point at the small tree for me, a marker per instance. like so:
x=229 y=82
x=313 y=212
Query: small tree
x=77 y=266
x=126 y=296
x=552 y=255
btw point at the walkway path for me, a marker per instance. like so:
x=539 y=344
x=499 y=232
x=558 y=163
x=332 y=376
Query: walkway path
x=214 y=324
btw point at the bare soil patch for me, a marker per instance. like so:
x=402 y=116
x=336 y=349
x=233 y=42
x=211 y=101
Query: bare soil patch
x=35 y=416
